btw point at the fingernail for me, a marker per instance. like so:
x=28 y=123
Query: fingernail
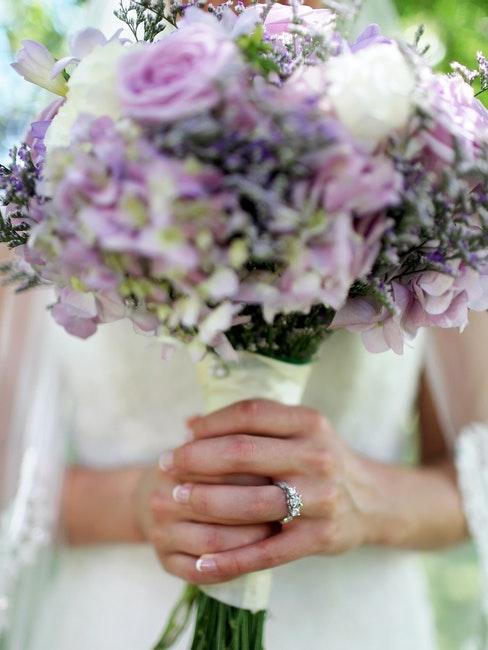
x=189 y=436
x=206 y=565
x=182 y=493
x=166 y=461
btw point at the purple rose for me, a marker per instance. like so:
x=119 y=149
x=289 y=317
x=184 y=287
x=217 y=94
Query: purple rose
x=179 y=76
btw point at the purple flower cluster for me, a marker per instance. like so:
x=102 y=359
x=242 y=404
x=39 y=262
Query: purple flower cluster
x=239 y=173
x=433 y=266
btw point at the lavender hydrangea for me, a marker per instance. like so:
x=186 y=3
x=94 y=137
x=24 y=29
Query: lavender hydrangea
x=248 y=187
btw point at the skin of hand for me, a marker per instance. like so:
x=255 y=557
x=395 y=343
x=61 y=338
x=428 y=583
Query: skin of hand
x=212 y=513
x=349 y=501
x=180 y=535
x=135 y=504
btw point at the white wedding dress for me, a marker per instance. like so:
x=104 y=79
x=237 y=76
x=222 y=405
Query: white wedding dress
x=130 y=406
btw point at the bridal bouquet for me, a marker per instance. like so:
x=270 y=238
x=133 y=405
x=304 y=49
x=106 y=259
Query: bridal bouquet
x=245 y=181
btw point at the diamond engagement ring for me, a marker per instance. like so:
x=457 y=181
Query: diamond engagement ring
x=293 y=501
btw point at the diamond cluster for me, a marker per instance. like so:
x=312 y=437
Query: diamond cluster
x=293 y=501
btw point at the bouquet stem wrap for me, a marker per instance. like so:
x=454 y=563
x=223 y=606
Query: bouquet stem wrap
x=231 y=615
x=222 y=385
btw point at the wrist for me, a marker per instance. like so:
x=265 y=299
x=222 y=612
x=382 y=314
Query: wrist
x=383 y=523
x=100 y=506
x=411 y=507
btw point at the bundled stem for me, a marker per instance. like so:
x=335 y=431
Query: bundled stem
x=217 y=626
x=179 y=619
x=292 y=338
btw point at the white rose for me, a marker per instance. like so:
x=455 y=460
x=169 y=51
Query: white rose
x=371 y=91
x=92 y=90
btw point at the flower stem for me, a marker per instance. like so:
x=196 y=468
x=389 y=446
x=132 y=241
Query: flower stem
x=217 y=626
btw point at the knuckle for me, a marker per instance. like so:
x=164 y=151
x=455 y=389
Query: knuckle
x=315 y=421
x=248 y=408
x=183 y=457
x=161 y=507
x=329 y=501
x=233 y=566
x=241 y=450
x=212 y=541
x=201 y=501
x=258 y=508
x=322 y=461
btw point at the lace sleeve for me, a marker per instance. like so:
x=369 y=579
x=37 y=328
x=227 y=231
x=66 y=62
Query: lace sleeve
x=458 y=373
x=472 y=464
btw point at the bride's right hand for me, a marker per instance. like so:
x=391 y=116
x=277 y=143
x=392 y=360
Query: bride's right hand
x=179 y=537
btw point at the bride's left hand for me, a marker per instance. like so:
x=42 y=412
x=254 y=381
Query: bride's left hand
x=292 y=444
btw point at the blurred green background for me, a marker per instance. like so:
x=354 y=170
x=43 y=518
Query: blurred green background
x=456 y=30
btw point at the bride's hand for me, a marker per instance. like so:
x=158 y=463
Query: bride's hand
x=181 y=536
x=292 y=444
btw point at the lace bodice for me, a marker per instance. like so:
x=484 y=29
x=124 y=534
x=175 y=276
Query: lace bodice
x=129 y=404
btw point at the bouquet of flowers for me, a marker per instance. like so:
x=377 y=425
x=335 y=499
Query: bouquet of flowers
x=245 y=181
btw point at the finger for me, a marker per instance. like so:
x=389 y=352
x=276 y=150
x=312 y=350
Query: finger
x=251 y=505
x=243 y=505
x=229 y=479
x=198 y=539
x=259 y=417
x=291 y=544
x=245 y=454
x=184 y=567
x=165 y=509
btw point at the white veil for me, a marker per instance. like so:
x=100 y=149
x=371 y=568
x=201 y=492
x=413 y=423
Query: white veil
x=31 y=460
x=457 y=366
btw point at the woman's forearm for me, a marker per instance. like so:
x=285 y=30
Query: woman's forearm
x=98 y=506
x=415 y=508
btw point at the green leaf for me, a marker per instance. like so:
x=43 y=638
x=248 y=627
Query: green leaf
x=257 y=51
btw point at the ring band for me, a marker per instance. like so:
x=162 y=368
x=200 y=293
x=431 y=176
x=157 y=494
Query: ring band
x=294 y=501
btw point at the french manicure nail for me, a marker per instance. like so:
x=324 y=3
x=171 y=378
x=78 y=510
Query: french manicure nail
x=166 y=461
x=182 y=493
x=206 y=565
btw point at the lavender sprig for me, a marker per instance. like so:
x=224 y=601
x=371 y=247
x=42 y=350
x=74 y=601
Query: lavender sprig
x=482 y=72
x=18 y=189
x=147 y=16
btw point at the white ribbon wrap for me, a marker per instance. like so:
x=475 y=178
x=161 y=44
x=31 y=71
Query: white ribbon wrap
x=223 y=384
